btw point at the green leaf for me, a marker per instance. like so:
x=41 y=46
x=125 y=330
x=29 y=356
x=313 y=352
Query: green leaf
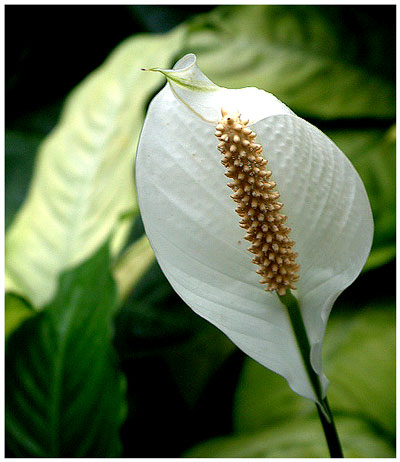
x=361 y=367
x=297 y=438
x=63 y=388
x=263 y=398
x=373 y=153
x=308 y=56
x=380 y=255
x=16 y=311
x=154 y=317
x=359 y=355
x=83 y=180
x=19 y=149
x=197 y=360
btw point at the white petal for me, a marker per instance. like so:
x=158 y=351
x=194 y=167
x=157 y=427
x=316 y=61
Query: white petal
x=194 y=231
x=205 y=98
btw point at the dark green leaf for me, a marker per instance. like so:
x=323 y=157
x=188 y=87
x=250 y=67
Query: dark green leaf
x=323 y=61
x=63 y=388
x=154 y=317
x=20 y=150
x=195 y=361
x=156 y=322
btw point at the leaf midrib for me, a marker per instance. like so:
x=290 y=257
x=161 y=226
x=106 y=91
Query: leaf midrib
x=56 y=388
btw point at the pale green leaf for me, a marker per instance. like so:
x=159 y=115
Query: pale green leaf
x=83 y=180
x=362 y=366
x=297 y=438
x=305 y=55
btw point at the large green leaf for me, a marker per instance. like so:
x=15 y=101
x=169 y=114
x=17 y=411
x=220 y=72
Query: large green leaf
x=83 y=180
x=297 y=438
x=373 y=153
x=361 y=367
x=63 y=389
x=360 y=363
x=325 y=62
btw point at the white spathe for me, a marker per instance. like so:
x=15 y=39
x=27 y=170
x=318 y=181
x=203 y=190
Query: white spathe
x=192 y=226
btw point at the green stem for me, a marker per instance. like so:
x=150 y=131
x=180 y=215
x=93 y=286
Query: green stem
x=303 y=342
x=331 y=435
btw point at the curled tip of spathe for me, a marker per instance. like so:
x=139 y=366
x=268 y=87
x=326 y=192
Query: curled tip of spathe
x=152 y=69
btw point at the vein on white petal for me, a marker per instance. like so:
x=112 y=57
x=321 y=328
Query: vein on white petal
x=236 y=328
x=312 y=162
x=351 y=192
x=309 y=167
x=204 y=98
x=276 y=365
x=253 y=287
x=188 y=106
x=225 y=242
x=322 y=207
x=216 y=198
x=247 y=314
x=207 y=269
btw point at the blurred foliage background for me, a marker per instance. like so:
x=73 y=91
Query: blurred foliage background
x=102 y=357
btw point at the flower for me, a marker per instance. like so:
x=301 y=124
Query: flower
x=191 y=223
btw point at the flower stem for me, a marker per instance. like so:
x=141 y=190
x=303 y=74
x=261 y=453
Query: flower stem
x=331 y=435
x=303 y=342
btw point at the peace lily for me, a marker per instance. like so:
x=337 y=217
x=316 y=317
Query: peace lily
x=312 y=242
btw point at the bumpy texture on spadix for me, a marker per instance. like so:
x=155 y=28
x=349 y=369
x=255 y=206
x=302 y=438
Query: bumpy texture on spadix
x=258 y=204
x=191 y=223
